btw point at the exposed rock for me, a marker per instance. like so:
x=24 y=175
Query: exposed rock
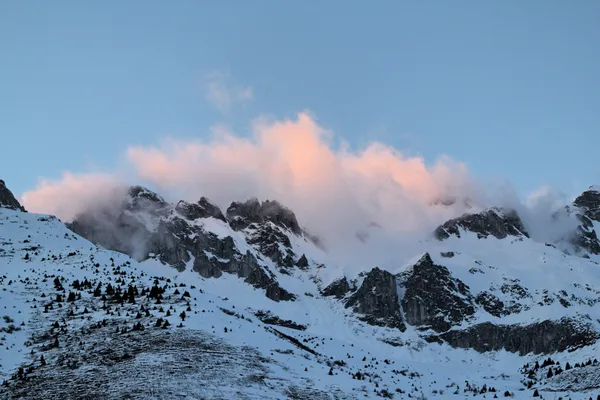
x=447 y=254
x=492 y=304
x=259 y=278
x=494 y=221
x=7 y=199
x=202 y=209
x=589 y=202
x=585 y=236
x=539 y=338
x=302 y=262
x=273 y=243
x=433 y=298
x=241 y=215
x=266 y=317
x=140 y=198
x=144 y=226
x=338 y=288
x=377 y=300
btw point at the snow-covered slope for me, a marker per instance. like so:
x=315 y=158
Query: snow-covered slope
x=267 y=315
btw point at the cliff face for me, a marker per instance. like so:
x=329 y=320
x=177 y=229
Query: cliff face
x=7 y=199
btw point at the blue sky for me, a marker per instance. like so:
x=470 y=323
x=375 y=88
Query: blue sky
x=510 y=88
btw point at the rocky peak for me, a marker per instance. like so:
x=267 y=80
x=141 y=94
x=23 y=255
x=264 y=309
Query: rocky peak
x=496 y=222
x=202 y=209
x=376 y=299
x=589 y=203
x=7 y=199
x=433 y=298
x=142 y=197
x=242 y=214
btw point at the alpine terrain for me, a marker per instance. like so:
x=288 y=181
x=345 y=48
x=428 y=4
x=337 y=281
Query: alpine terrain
x=141 y=298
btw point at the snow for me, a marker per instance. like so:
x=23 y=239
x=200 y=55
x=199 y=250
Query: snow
x=432 y=370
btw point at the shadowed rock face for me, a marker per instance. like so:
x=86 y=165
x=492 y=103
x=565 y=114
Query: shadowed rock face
x=243 y=214
x=202 y=209
x=338 y=288
x=144 y=226
x=433 y=298
x=377 y=300
x=587 y=209
x=7 y=199
x=539 y=338
x=589 y=202
x=495 y=222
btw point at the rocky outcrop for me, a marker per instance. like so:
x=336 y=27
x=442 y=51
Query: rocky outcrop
x=7 y=199
x=140 y=198
x=494 y=221
x=377 y=300
x=539 y=338
x=433 y=298
x=144 y=226
x=241 y=215
x=302 y=262
x=587 y=210
x=202 y=209
x=267 y=317
x=260 y=279
x=338 y=288
x=492 y=304
x=589 y=202
x=273 y=243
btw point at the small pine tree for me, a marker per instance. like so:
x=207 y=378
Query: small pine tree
x=536 y=393
x=42 y=361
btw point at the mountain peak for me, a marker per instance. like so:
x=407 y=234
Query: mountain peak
x=253 y=211
x=202 y=209
x=498 y=222
x=589 y=202
x=7 y=199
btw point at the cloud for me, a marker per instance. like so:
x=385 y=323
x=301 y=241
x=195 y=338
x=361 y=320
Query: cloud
x=368 y=206
x=71 y=194
x=223 y=94
x=336 y=193
x=544 y=215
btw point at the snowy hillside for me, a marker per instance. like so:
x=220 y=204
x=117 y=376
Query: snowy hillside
x=246 y=304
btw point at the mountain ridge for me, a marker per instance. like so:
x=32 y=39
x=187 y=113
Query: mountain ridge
x=478 y=288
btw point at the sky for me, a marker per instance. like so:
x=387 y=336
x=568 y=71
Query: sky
x=420 y=93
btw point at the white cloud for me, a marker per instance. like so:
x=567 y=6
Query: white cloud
x=223 y=94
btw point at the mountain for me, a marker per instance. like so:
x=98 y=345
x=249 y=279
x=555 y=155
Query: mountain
x=7 y=199
x=142 y=298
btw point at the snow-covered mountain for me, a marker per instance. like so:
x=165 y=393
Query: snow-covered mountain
x=142 y=299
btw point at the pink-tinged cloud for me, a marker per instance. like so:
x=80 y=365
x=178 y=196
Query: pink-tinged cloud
x=335 y=193
x=71 y=194
x=364 y=205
